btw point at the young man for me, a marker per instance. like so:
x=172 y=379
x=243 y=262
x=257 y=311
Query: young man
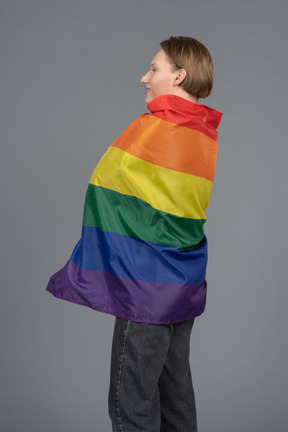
x=143 y=253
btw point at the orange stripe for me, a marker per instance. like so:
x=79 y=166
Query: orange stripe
x=170 y=146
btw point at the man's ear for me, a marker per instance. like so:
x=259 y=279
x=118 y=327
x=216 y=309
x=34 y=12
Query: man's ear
x=181 y=75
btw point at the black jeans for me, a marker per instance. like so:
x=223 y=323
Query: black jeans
x=150 y=384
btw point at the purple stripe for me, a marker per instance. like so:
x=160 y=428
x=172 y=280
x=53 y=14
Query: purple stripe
x=150 y=302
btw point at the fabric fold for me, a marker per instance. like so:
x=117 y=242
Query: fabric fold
x=143 y=252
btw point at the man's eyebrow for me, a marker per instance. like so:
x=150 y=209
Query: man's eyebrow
x=153 y=64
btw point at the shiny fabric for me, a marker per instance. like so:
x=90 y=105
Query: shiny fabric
x=143 y=253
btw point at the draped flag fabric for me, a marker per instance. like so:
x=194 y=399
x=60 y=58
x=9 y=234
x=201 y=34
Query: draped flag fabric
x=142 y=255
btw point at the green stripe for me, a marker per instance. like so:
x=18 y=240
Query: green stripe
x=124 y=214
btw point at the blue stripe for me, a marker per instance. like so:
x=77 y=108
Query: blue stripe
x=136 y=259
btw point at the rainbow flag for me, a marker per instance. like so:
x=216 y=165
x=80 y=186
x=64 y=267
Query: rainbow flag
x=142 y=254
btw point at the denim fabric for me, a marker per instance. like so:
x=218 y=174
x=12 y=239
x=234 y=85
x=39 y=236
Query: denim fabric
x=150 y=383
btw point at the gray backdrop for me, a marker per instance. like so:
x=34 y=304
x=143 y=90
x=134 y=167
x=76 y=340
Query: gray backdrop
x=70 y=74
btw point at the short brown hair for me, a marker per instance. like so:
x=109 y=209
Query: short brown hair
x=189 y=54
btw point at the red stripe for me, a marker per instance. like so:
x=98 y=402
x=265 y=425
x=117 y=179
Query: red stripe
x=185 y=113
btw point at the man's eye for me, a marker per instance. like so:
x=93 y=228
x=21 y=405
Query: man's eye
x=154 y=70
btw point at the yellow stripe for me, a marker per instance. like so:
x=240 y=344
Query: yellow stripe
x=181 y=194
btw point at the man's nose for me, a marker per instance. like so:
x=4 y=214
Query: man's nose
x=144 y=78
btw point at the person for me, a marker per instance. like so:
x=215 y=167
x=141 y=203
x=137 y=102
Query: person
x=142 y=255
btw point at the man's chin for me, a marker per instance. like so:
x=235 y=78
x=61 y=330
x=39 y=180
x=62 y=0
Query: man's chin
x=148 y=98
